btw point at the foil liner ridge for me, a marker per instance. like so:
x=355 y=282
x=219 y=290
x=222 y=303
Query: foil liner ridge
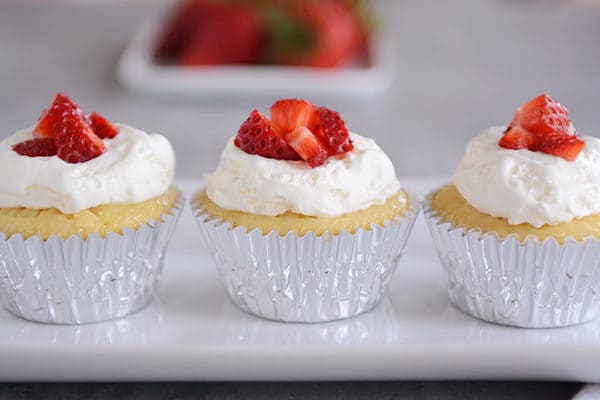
x=74 y=281
x=305 y=279
x=531 y=284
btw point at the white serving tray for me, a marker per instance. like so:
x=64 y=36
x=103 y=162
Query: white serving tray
x=138 y=72
x=192 y=332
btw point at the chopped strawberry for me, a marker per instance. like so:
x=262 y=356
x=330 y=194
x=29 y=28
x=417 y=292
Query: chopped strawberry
x=101 y=127
x=290 y=114
x=516 y=138
x=307 y=145
x=64 y=130
x=60 y=106
x=565 y=146
x=258 y=135
x=543 y=115
x=226 y=34
x=38 y=147
x=76 y=142
x=297 y=129
x=543 y=125
x=331 y=130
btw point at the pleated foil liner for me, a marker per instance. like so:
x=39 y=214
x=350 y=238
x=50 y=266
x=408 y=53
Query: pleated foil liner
x=76 y=281
x=530 y=285
x=305 y=279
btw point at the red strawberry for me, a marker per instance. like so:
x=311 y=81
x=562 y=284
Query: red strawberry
x=181 y=24
x=76 y=142
x=227 y=34
x=307 y=145
x=290 y=114
x=39 y=147
x=543 y=125
x=327 y=34
x=298 y=127
x=101 y=127
x=258 y=135
x=565 y=146
x=331 y=130
x=543 y=115
x=516 y=138
x=60 y=106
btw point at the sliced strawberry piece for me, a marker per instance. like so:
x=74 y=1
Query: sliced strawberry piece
x=307 y=145
x=60 y=106
x=101 y=127
x=259 y=136
x=565 y=146
x=543 y=115
x=516 y=138
x=290 y=114
x=38 y=147
x=543 y=125
x=43 y=129
x=332 y=132
x=76 y=142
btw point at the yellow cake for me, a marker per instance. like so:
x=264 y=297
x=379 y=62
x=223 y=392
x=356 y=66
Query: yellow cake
x=453 y=208
x=394 y=207
x=100 y=220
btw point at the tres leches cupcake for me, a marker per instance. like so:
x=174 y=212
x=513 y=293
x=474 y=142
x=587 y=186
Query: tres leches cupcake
x=518 y=231
x=306 y=221
x=86 y=211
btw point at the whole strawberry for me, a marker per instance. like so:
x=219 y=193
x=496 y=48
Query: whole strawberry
x=315 y=33
x=227 y=34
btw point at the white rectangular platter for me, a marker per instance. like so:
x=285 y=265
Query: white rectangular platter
x=192 y=332
x=137 y=71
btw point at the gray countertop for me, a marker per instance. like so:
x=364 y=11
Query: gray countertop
x=462 y=66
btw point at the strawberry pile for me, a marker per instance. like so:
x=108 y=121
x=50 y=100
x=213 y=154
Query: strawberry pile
x=318 y=33
x=66 y=131
x=297 y=130
x=543 y=125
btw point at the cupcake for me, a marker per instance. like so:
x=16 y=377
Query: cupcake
x=518 y=231
x=306 y=221
x=86 y=211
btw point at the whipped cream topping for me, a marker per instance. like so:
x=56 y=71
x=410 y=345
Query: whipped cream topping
x=135 y=167
x=526 y=186
x=258 y=185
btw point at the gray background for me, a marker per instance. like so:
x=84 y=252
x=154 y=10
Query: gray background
x=462 y=66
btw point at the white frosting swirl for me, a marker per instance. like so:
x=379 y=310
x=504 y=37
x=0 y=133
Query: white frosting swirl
x=526 y=186
x=135 y=167
x=258 y=185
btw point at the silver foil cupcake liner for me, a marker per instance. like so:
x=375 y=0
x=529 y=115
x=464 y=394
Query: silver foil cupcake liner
x=76 y=281
x=531 y=284
x=305 y=279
